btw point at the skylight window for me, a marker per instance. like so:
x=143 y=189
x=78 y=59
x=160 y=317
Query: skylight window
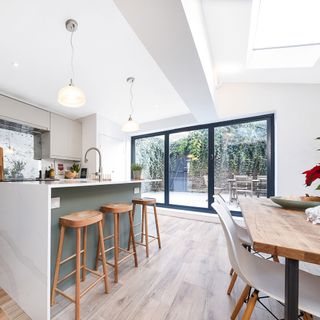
x=284 y=34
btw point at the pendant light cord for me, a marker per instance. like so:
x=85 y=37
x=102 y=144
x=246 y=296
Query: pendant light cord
x=131 y=97
x=71 y=58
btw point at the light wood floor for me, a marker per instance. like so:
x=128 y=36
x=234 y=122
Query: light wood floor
x=186 y=279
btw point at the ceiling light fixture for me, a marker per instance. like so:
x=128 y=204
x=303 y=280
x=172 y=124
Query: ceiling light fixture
x=70 y=95
x=15 y=64
x=130 y=125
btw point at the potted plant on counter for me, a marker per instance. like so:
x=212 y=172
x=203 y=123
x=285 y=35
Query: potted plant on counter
x=73 y=172
x=136 y=171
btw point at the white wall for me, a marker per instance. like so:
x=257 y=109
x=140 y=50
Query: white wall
x=297 y=111
x=100 y=132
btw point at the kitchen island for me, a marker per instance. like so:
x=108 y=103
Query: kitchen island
x=29 y=231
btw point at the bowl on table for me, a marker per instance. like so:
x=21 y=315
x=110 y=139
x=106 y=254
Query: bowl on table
x=296 y=202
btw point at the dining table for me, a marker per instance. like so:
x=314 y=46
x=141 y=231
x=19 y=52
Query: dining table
x=285 y=233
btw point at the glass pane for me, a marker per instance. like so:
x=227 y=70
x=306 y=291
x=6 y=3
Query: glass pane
x=19 y=154
x=149 y=152
x=188 y=168
x=240 y=161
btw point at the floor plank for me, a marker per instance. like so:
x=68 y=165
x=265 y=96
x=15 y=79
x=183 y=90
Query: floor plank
x=186 y=279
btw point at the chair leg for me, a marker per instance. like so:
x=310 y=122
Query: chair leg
x=57 y=267
x=84 y=257
x=78 y=271
x=146 y=229
x=157 y=225
x=275 y=258
x=250 y=306
x=232 y=282
x=142 y=224
x=130 y=235
x=103 y=257
x=307 y=316
x=240 y=302
x=231 y=272
x=116 y=247
x=132 y=239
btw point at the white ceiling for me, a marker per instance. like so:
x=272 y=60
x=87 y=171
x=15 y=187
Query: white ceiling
x=107 y=51
x=228 y=25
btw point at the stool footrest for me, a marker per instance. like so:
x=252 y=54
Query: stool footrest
x=69 y=258
x=65 y=295
x=143 y=244
x=68 y=275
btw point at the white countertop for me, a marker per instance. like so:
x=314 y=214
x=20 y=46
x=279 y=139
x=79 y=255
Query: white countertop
x=68 y=183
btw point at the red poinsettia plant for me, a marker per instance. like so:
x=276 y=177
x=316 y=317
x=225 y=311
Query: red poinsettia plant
x=312 y=175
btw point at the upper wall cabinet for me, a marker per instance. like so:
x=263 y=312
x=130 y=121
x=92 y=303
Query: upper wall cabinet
x=64 y=139
x=23 y=113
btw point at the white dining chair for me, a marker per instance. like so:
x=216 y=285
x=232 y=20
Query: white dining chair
x=242 y=234
x=264 y=275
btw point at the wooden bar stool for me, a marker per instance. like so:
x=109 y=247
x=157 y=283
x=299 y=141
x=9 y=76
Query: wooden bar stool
x=144 y=223
x=116 y=209
x=79 y=220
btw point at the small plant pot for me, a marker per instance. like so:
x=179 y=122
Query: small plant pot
x=136 y=175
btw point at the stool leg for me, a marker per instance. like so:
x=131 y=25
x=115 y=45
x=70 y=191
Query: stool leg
x=57 y=267
x=133 y=213
x=157 y=224
x=142 y=224
x=132 y=239
x=78 y=271
x=98 y=248
x=84 y=257
x=146 y=229
x=103 y=256
x=116 y=247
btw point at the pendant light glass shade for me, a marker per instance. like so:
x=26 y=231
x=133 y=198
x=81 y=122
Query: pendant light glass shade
x=71 y=96
x=130 y=126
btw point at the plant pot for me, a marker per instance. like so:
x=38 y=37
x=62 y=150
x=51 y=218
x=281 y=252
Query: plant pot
x=136 y=174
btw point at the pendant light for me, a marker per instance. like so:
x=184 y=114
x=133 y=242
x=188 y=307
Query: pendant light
x=70 y=95
x=130 y=125
x=10 y=149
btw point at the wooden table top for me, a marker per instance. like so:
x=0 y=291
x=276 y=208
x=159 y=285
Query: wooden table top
x=279 y=231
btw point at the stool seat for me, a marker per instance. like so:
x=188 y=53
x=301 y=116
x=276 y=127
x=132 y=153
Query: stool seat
x=116 y=208
x=81 y=219
x=144 y=201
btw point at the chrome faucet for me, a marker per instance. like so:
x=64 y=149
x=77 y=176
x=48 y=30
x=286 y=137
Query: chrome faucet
x=100 y=161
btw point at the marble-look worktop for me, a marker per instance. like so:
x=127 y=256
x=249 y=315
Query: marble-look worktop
x=29 y=230
x=67 y=183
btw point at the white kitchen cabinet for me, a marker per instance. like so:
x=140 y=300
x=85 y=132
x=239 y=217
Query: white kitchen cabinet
x=64 y=139
x=16 y=111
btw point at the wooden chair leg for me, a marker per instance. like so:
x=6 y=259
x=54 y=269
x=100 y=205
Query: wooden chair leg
x=78 y=271
x=307 y=316
x=146 y=229
x=142 y=223
x=157 y=224
x=275 y=258
x=84 y=257
x=232 y=282
x=231 y=272
x=57 y=267
x=132 y=239
x=130 y=235
x=250 y=306
x=103 y=257
x=116 y=247
x=240 y=302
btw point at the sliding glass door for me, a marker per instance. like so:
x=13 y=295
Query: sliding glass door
x=241 y=161
x=233 y=159
x=188 y=168
x=149 y=153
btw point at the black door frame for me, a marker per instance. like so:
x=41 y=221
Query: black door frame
x=210 y=127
